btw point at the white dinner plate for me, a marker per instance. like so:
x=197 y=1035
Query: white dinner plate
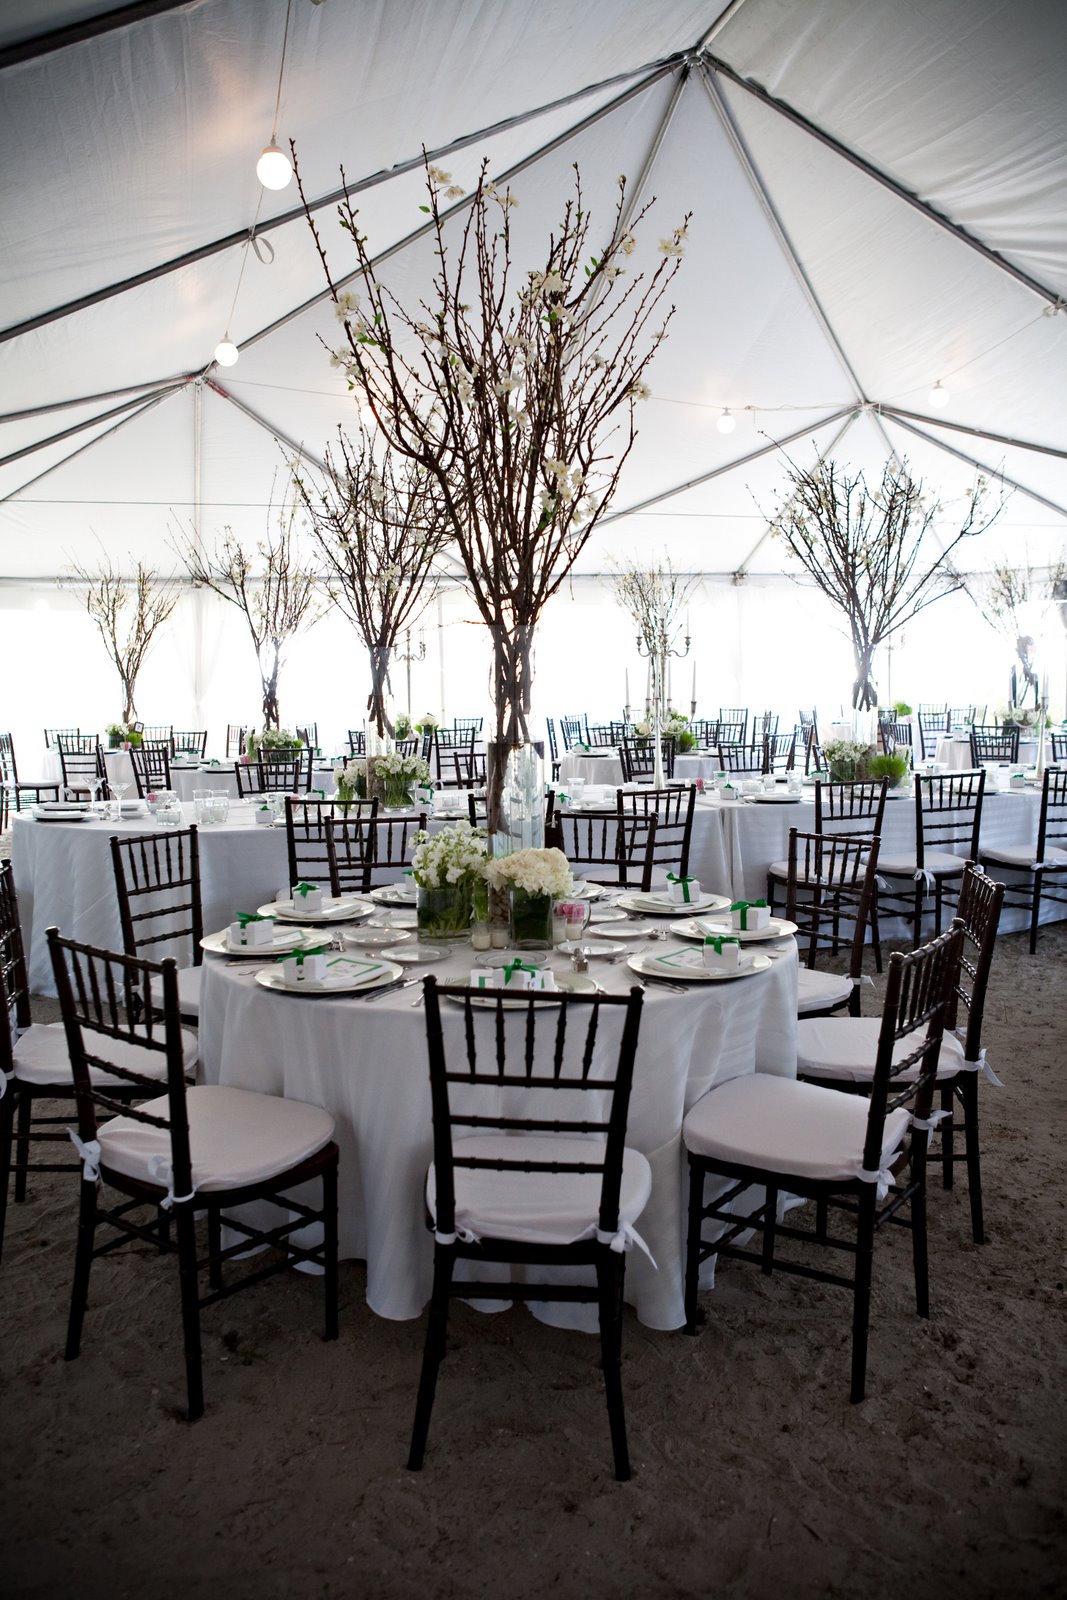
x=626 y=930
x=678 y=970
x=340 y=908
x=64 y=807
x=566 y=983
x=355 y=938
x=702 y=927
x=606 y=913
x=282 y=939
x=62 y=816
x=654 y=905
x=344 y=975
x=592 y=947
x=501 y=958
x=395 y=894
x=773 y=798
x=585 y=891
x=416 y=954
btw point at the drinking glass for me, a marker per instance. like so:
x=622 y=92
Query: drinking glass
x=577 y=790
x=220 y=806
x=202 y=802
x=117 y=792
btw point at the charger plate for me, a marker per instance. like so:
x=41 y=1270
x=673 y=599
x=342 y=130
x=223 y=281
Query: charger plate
x=680 y=971
x=344 y=975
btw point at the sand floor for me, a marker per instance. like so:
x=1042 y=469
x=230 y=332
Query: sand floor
x=753 y=1476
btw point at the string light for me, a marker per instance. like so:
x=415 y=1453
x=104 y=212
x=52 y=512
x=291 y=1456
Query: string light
x=727 y=422
x=226 y=352
x=939 y=396
x=274 y=169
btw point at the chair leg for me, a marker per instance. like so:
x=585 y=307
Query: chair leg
x=329 y=1250
x=214 y=1245
x=919 y=1250
x=1035 y=912
x=876 y=937
x=770 y=1218
x=7 y=1118
x=692 y=1246
x=185 y=1227
x=968 y=1093
x=83 y=1261
x=22 y=1144
x=947 y=1130
x=610 y=1271
x=861 y=1293
x=433 y=1352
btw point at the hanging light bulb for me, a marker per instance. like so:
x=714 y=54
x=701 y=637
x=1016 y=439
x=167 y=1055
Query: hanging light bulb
x=939 y=396
x=226 y=352
x=727 y=422
x=274 y=169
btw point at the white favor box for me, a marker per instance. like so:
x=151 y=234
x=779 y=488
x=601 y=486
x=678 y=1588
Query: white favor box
x=756 y=917
x=676 y=891
x=311 y=970
x=252 y=934
x=310 y=902
x=264 y=815
x=493 y=978
x=728 y=959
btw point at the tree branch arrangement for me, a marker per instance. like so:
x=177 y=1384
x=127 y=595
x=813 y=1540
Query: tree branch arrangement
x=128 y=613
x=870 y=552
x=654 y=597
x=515 y=392
x=378 y=527
x=277 y=601
x=1014 y=600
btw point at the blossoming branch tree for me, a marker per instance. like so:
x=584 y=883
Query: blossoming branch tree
x=871 y=552
x=128 y=612
x=1016 y=601
x=516 y=394
x=267 y=584
x=378 y=527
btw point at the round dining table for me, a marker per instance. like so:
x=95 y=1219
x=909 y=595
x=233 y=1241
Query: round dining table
x=365 y=1060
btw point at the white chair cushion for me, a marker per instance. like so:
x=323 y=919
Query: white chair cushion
x=537 y=1207
x=1024 y=858
x=41 y=1056
x=189 y=990
x=236 y=1137
x=846 y=1048
x=784 y=1126
x=936 y=861
x=817 y=990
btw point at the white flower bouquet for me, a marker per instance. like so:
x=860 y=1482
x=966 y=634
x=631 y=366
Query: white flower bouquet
x=452 y=855
x=402 y=769
x=545 y=872
x=426 y=723
x=847 y=760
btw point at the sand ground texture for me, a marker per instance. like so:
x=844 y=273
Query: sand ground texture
x=753 y=1476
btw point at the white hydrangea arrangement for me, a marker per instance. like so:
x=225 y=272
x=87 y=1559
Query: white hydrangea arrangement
x=535 y=871
x=453 y=855
x=409 y=769
x=350 y=772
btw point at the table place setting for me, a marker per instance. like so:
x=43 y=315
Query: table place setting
x=318 y=972
x=256 y=938
x=702 y=928
x=327 y=908
x=692 y=966
x=663 y=905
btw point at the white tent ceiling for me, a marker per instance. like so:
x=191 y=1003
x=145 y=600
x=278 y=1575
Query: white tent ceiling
x=878 y=190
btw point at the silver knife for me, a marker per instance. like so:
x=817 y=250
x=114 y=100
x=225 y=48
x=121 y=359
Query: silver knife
x=398 y=983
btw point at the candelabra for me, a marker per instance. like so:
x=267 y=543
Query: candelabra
x=654 y=646
x=407 y=656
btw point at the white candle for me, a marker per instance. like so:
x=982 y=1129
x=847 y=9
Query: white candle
x=627 y=701
x=693 y=695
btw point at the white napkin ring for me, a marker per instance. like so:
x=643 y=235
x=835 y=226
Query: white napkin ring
x=89 y=1150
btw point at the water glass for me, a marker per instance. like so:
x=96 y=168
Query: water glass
x=576 y=788
x=202 y=799
x=169 y=810
x=220 y=806
x=794 y=783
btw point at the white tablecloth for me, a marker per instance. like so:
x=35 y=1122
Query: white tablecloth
x=367 y=1064
x=605 y=768
x=954 y=750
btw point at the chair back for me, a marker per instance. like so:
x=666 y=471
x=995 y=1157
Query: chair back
x=100 y=995
x=309 y=733
x=845 y=804
x=52 y=736
x=737 y=717
x=1052 y=819
x=14 y=982
x=638 y=759
x=557 y=1065
x=81 y=759
x=572 y=730
x=287 y=772
x=446 y=743
x=623 y=846
x=814 y=760
x=1059 y=746
x=980 y=905
x=151 y=767
x=740 y=758
x=830 y=880
x=673 y=810
x=468 y=725
x=602 y=736
x=157 y=880
x=305 y=833
x=468 y=770
x=893 y=733
x=779 y=751
x=364 y=852
x=159 y=733
x=9 y=773
x=191 y=741
x=918 y=1000
x=553 y=747
x=933 y=725
x=762 y=724
x=993 y=744
x=357 y=742
x=948 y=814
x=235 y=740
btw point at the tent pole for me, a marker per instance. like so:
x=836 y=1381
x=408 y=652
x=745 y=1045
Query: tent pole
x=43 y=44
x=899 y=415
x=907 y=195
x=79 y=427
x=88 y=445
x=742 y=571
x=198 y=542
x=982 y=466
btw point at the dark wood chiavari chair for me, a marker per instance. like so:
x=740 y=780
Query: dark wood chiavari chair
x=365 y=852
x=1040 y=876
x=948 y=817
x=157 y=882
x=13 y=793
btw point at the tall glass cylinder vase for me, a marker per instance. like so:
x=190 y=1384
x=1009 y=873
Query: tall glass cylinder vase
x=656 y=726
x=378 y=725
x=515 y=792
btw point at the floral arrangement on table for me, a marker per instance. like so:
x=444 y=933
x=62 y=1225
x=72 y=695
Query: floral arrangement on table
x=677 y=728
x=448 y=868
x=1018 y=716
x=848 y=760
x=350 y=779
x=642 y=730
x=426 y=723
x=534 y=878
x=396 y=776
x=261 y=745
x=402 y=725
x=123 y=733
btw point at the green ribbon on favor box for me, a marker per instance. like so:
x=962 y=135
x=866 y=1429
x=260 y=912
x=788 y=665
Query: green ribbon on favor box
x=304 y=889
x=745 y=906
x=245 y=917
x=320 y=792
x=673 y=877
x=299 y=955
x=717 y=942
x=518 y=965
x=563 y=799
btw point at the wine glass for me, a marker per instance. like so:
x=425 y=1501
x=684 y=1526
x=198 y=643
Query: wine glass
x=117 y=792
